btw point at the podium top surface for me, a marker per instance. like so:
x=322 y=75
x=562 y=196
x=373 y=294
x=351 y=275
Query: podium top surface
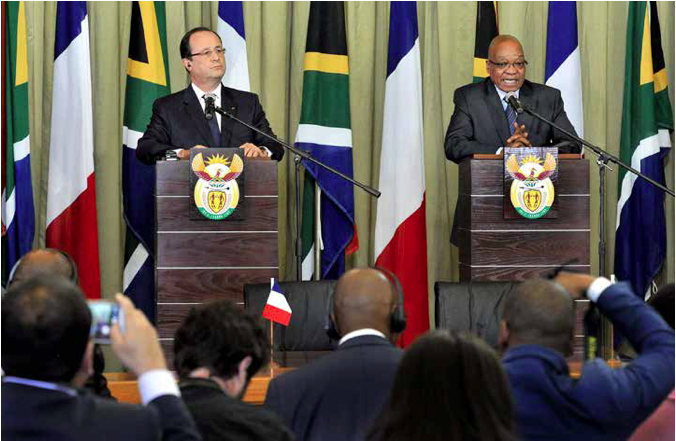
x=500 y=156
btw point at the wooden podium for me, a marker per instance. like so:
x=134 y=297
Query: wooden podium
x=496 y=249
x=203 y=260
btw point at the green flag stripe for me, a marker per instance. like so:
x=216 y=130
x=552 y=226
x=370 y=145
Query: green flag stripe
x=326 y=100
x=138 y=107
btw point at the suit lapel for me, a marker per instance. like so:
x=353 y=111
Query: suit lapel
x=194 y=110
x=227 y=125
x=496 y=111
x=527 y=100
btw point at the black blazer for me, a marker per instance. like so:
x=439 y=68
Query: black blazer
x=31 y=413
x=479 y=123
x=221 y=417
x=338 y=396
x=178 y=122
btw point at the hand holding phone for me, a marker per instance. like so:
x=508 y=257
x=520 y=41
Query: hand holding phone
x=105 y=313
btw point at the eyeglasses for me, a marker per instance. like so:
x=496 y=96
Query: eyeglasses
x=209 y=52
x=517 y=64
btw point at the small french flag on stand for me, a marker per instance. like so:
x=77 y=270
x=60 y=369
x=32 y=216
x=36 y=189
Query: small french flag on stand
x=277 y=309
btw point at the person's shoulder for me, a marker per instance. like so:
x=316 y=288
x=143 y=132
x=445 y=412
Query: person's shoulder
x=171 y=99
x=472 y=87
x=239 y=95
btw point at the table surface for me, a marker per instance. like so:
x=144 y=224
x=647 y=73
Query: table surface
x=124 y=388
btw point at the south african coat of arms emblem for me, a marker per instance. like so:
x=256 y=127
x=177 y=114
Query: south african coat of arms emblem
x=216 y=192
x=532 y=190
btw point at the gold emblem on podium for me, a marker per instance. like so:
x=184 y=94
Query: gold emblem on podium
x=216 y=193
x=532 y=191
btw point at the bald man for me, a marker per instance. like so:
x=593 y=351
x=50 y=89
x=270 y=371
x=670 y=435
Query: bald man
x=52 y=262
x=604 y=403
x=338 y=396
x=480 y=120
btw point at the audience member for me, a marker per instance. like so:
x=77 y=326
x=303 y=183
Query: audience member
x=218 y=348
x=660 y=425
x=338 y=396
x=53 y=262
x=46 y=356
x=448 y=386
x=604 y=403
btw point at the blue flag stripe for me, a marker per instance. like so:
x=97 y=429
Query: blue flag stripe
x=69 y=16
x=561 y=22
x=232 y=13
x=403 y=18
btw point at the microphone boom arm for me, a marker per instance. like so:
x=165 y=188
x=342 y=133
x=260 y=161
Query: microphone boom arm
x=303 y=154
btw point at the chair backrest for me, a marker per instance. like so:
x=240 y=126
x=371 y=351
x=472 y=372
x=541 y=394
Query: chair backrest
x=471 y=306
x=309 y=305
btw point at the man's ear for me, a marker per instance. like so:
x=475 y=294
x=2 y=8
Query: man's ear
x=503 y=335
x=86 y=366
x=187 y=64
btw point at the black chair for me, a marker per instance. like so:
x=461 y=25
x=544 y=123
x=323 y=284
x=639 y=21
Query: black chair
x=471 y=306
x=305 y=338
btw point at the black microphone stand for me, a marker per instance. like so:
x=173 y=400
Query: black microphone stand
x=602 y=160
x=299 y=155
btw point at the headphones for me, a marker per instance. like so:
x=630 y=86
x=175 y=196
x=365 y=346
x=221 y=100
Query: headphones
x=397 y=316
x=71 y=263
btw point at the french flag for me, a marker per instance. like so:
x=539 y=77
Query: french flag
x=277 y=309
x=562 y=65
x=231 y=30
x=400 y=240
x=71 y=196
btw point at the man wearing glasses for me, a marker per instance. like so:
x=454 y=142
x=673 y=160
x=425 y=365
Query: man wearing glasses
x=179 y=122
x=483 y=122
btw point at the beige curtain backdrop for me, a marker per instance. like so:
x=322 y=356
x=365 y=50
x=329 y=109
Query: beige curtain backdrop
x=276 y=34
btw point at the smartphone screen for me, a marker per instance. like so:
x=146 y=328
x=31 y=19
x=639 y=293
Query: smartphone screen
x=104 y=314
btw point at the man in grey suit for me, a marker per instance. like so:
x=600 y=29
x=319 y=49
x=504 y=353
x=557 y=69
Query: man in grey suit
x=482 y=120
x=338 y=396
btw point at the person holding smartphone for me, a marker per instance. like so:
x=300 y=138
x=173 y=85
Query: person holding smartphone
x=46 y=357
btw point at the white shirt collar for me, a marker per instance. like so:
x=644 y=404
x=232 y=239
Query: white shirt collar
x=502 y=94
x=200 y=94
x=360 y=333
x=40 y=384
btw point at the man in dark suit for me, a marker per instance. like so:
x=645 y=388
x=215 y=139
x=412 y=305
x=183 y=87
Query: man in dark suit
x=604 y=403
x=53 y=262
x=338 y=396
x=482 y=121
x=218 y=348
x=47 y=357
x=179 y=122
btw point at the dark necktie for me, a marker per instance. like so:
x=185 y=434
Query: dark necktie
x=213 y=128
x=511 y=117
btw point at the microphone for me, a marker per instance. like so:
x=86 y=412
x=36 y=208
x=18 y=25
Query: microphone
x=210 y=101
x=515 y=103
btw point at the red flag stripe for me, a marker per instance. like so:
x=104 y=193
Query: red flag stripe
x=276 y=315
x=74 y=231
x=406 y=256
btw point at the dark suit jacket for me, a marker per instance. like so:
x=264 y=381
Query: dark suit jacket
x=221 y=417
x=31 y=413
x=605 y=403
x=338 y=396
x=178 y=122
x=479 y=123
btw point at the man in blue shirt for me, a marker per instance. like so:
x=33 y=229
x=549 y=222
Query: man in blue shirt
x=604 y=403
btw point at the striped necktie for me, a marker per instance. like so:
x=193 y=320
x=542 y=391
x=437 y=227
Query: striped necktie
x=511 y=117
